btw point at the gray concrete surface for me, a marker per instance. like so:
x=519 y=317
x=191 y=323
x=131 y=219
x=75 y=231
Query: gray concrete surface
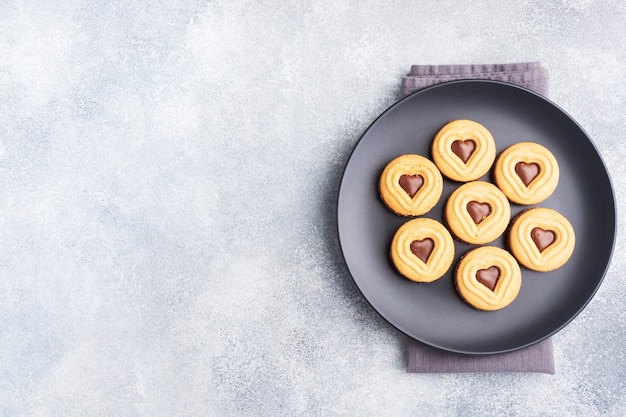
x=168 y=171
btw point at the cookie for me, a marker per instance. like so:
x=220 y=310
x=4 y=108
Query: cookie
x=488 y=278
x=477 y=212
x=541 y=239
x=527 y=173
x=422 y=250
x=463 y=150
x=410 y=185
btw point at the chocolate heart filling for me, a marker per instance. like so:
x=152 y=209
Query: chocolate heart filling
x=542 y=238
x=411 y=184
x=488 y=277
x=478 y=211
x=422 y=248
x=463 y=149
x=527 y=172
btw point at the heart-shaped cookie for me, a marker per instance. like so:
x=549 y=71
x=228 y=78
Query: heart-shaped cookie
x=422 y=250
x=527 y=173
x=541 y=239
x=464 y=150
x=488 y=278
x=477 y=212
x=410 y=185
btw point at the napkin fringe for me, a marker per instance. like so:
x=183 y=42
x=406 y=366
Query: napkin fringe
x=536 y=80
x=537 y=358
x=468 y=69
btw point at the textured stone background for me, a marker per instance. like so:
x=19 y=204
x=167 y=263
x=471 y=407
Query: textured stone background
x=168 y=171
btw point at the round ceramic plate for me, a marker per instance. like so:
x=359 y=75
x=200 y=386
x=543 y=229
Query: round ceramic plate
x=433 y=313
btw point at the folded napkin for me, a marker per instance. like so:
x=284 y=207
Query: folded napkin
x=530 y=75
x=535 y=358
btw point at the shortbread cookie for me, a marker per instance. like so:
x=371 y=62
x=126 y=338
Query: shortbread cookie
x=488 y=278
x=422 y=250
x=464 y=150
x=477 y=212
x=527 y=173
x=410 y=185
x=541 y=239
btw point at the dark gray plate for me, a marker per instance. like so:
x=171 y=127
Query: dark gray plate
x=433 y=313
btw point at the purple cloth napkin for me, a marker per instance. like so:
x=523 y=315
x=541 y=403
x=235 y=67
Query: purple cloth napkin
x=530 y=75
x=535 y=358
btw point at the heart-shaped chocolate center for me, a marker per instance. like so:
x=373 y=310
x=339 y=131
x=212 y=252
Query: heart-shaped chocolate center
x=478 y=211
x=527 y=172
x=422 y=248
x=411 y=183
x=463 y=149
x=542 y=238
x=488 y=277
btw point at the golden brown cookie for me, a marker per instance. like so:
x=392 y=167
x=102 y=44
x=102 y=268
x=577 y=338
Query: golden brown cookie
x=541 y=239
x=488 y=278
x=527 y=173
x=477 y=212
x=422 y=250
x=410 y=185
x=464 y=150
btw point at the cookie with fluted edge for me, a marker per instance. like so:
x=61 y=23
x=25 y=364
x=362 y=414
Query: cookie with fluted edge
x=463 y=150
x=477 y=212
x=410 y=185
x=541 y=239
x=488 y=278
x=422 y=250
x=526 y=172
